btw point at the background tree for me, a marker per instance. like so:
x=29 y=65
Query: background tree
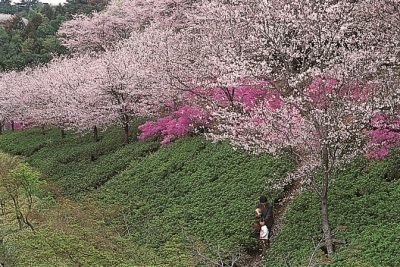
x=29 y=41
x=48 y=11
x=6 y=7
x=84 y=6
x=25 y=5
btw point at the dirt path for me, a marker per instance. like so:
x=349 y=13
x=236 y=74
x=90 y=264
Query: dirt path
x=280 y=207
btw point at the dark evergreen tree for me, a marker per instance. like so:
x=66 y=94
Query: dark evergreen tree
x=25 y=5
x=84 y=6
x=29 y=37
x=6 y=7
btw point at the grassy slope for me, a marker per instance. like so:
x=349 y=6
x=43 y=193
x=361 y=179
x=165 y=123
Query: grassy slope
x=151 y=206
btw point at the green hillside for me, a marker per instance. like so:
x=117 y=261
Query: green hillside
x=188 y=203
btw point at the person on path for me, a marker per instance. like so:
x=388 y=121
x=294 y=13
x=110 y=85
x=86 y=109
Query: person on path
x=266 y=213
x=264 y=241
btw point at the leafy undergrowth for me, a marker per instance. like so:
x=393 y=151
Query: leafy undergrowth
x=153 y=206
x=193 y=195
x=142 y=205
x=364 y=212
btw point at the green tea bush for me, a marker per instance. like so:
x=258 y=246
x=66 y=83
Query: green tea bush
x=79 y=164
x=166 y=204
x=193 y=191
x=27 y=142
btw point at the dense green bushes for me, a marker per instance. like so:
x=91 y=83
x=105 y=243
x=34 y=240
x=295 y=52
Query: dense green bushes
x=140 y=204
x=189 y=195
x=195 y=190
x=364 y=211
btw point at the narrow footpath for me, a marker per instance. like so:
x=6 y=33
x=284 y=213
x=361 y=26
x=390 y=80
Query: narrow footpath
x=280 y=207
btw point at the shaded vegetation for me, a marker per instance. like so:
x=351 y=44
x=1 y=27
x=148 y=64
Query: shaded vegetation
x=29 y=38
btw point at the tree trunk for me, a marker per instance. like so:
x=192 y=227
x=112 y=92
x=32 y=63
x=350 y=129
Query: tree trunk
x=126 y=130
x=12 y=125
x=26 y=221
x=63 y=133
x=95 y=134
x=17 y=213
x=324 y=201
x=325 y=225
x=1 y=127
x=20 y=222
x=3 y=206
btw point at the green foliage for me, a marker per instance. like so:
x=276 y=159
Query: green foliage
x=7 y=163
x=27 y=142
x=84 y=6
x=33 y=43
x=6 y=7
x=27 y=179
x=193 y=191
x=142 y=205
x=19 y=184
x=77 y=164
x=364 y=211
x=67 y=245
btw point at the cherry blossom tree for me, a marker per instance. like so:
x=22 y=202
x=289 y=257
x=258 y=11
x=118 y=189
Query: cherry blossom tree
x=192 y=113
x=48 y=94
x=120 y=18
x=70 y=103
x=288 y=41
x=323 y=125
x=131 y=76
x=329 y=59
x=12 y=92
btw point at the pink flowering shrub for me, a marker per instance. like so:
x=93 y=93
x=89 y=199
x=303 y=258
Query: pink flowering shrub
x=190 y=119
x=192 y=116
x=319 y=90
x=384 y=135
x=150 y=128
x=321 y=87
x=180 y=122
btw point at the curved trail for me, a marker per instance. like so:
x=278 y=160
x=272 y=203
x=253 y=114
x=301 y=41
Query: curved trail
x=280 y=207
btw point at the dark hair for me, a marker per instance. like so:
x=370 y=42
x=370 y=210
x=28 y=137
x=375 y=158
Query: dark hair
x=263 y=199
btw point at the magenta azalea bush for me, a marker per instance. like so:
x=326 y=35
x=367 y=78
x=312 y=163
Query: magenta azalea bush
x=193 y=117
x=185 y=119
x=384 y=135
